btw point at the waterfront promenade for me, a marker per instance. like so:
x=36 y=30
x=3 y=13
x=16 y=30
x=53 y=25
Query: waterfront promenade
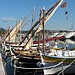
x=2 y=71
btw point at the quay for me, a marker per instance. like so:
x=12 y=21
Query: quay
x=2 y=70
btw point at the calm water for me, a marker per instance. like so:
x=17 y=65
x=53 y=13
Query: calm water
x=10 y=69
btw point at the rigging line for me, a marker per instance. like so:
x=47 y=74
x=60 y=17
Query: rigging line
x=21 y=23
x=28 y=16
x=46 y=14
x=12 y=59
x=26 y=68
x=6 y=33
x=30 y=20
x=54 y=65
x=37 y=22
x=23 y=26
x=67 y=67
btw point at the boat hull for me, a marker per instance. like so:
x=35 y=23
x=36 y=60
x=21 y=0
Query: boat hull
x=58 y=69
x=54 y=65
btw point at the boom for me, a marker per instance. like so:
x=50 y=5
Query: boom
x=48 y=15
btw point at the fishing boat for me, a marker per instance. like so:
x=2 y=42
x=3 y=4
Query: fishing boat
x=57 y=61
x=53 y=62
x=69 y=34
x=53 y=35
x=26 y=52
x=10 y=38
x=60 y=34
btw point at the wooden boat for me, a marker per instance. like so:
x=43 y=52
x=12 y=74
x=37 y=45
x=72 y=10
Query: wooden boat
x=69 y=34
x=57 y=61
x=53 y=35
x=53 y=62
x=47 y=15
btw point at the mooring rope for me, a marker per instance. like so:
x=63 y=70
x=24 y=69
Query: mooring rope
x=67 y=67
x=54 y=65
x=39 y=68
x=26 y=68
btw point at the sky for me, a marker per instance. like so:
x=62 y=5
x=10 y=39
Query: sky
x=13 y=10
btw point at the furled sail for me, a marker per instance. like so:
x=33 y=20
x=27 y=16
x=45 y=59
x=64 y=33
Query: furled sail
x=12 y=32
x=48 y=16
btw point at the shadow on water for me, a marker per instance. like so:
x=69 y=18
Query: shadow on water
x=20 y=63
x=27 y=64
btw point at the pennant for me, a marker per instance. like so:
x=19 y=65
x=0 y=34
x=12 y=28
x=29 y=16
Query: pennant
x=66 y=12
x=64 y=5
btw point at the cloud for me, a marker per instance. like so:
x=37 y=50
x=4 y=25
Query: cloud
x=8 y=19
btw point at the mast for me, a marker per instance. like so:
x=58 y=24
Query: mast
x=48 y=16
x=16 y=30
x=32 y=23
x=20 y=33
x=9 y=33
x=39 y=31
x=43 y=29
x=33 y=15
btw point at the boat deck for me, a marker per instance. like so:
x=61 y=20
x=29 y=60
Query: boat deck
x=2 y=71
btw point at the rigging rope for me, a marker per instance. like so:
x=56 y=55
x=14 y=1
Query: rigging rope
x=26 y=68
x=21 y=24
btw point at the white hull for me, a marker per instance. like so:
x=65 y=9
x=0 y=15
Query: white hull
x=53 y=35
x=60 y=34
x=70 y=41
x=69 y=34
x=58 y=69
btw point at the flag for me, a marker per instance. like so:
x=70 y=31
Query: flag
x=66 y=12
x=64 y=5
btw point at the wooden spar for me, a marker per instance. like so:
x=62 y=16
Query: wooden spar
x=32 y=22
x=6 y=33
x=38 y=22
x=9 y=33
x=36 y=42
x=16 y=30
x=33 y=15
x=48 y=16
x=43 y=29
x=20 y=33
x=22 y=26
x=12 y=32
x=39 y=31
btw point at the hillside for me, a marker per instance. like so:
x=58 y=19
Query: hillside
x=2 y=29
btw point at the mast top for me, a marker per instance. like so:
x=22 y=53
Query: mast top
x=43 y=7
x=34 y=8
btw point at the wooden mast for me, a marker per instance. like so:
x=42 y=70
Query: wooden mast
x=16 y=30
x=32 y=23
x=39 y=31
x=43 y=29
x=33 y=15
x=48 y=16
x=9 y=33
